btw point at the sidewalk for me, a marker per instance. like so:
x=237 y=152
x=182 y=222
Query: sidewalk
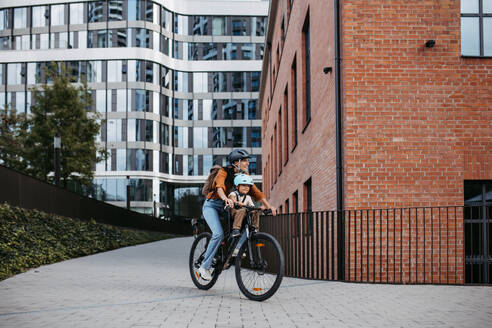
x=150 y=286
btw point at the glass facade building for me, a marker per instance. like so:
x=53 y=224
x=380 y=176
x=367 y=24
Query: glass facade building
x=175 y=101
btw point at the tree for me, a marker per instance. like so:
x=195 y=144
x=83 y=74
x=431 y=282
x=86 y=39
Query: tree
x=61 y=107
x=13 y=130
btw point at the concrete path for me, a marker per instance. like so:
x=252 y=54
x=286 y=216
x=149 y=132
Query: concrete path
x=149 y=286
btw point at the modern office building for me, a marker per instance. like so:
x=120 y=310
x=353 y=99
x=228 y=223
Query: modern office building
x=396 y=114
x=175 y=81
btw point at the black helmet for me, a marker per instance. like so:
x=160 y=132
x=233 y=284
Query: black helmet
x=237 y=154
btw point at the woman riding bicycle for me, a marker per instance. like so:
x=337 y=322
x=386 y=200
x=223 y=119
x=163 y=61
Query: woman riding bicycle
x=217 y=199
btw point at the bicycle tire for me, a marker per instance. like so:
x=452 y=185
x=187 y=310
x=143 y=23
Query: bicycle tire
x=276 y=256
x=195 y=277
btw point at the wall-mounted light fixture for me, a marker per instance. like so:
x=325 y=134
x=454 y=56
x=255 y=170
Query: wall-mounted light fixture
x=327 y=69
x=430 y=43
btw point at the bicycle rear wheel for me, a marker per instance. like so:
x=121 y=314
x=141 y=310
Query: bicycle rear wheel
x=260 y=273
x=197 y=254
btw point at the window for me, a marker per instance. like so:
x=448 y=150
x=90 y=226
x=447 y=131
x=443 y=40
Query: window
x=286 y=124
x=275 y=152
x=272 y=165
x=239 y=26
x=279 y=139
x=4 y=19
x=294 y=104
x=115 y=10
x=57 y=15
x=307 y=70
x=282 y=34
x=117 y=38
x=258 y=26
x=20 y=17
x=286 y=206
x=200 y=25
x=40 y=16
x=135 y=10
x=476 y=28
x=308 y=207
x=114 y=130
x=96 y=11
x=255 y=81
x=15 y=74
x=218 y=26
x=115 y=71
x=295 y=202
x=77 y=13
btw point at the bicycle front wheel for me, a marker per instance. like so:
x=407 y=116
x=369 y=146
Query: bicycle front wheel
x=197 y=254
x=259 y=271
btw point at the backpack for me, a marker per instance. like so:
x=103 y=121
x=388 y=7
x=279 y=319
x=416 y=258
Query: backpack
x=207 y=187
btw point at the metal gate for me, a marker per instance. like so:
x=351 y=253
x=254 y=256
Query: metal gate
x=478 y=241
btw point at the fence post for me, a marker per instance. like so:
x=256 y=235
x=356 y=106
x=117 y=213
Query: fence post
x=340 y=245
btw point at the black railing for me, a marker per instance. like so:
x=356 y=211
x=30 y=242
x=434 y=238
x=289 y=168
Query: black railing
x=405 y=246
x=24 y=191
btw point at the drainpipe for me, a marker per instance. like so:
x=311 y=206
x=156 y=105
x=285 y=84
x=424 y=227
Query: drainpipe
x=338 y=129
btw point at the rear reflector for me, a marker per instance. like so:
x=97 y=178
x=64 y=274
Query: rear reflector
x=260 y=245
x=256 y=289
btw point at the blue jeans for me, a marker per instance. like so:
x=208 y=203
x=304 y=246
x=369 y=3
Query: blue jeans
x=212 y=208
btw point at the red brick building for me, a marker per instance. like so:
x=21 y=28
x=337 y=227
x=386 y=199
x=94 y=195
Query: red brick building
x=415 y=105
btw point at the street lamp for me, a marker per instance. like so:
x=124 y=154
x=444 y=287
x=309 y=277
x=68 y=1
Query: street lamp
x=127 y=192
x=57 y=145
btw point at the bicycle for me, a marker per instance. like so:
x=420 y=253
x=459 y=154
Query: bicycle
x=259 y=263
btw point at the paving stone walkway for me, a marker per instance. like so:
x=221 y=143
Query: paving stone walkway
x=149 y=286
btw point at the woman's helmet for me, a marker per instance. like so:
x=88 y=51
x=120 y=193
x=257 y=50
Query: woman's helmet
x=237 y=155
x=243 y=179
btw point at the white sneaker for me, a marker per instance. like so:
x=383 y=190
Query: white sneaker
x=236 y=250
x=205 y=273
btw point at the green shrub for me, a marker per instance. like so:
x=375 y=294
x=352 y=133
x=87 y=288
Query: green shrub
x=30 y=238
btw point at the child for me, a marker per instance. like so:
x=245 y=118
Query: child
x=243 y=184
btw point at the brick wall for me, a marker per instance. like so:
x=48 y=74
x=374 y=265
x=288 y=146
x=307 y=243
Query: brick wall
x=313 y=156
x=417 y=120
x=416 y=124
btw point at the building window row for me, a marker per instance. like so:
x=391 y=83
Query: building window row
x=115 y=189
x=140 y=100
x=162 y=162
x=218 y=51
x=216 y=137
x=215 y=109
x=134 y=130
x=130 y=10
x=137 y=38
x=114 y=71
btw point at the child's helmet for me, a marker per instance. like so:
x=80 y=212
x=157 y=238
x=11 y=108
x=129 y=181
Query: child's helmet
x=243 y=179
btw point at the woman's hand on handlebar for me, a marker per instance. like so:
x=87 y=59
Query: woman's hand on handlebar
x=229 y=203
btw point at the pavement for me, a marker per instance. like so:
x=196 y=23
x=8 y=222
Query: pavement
x=150 y=286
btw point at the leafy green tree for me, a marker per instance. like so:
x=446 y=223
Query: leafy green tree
x=13 y=131
x=61 y=107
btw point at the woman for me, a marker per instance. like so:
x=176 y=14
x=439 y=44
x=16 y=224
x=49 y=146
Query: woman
x=217 y=199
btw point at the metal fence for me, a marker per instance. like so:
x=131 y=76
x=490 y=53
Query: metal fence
x=24 y=191
x=405 y=246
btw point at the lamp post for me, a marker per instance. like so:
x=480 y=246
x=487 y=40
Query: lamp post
x=57 y=145
x=127 y=192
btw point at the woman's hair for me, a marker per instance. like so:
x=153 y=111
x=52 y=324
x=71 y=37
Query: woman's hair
x=230 y=174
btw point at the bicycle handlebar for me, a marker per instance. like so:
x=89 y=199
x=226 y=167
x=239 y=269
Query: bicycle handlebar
x=252 y=208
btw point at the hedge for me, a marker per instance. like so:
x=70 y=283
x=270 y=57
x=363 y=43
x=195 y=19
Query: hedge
x=30 y=238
